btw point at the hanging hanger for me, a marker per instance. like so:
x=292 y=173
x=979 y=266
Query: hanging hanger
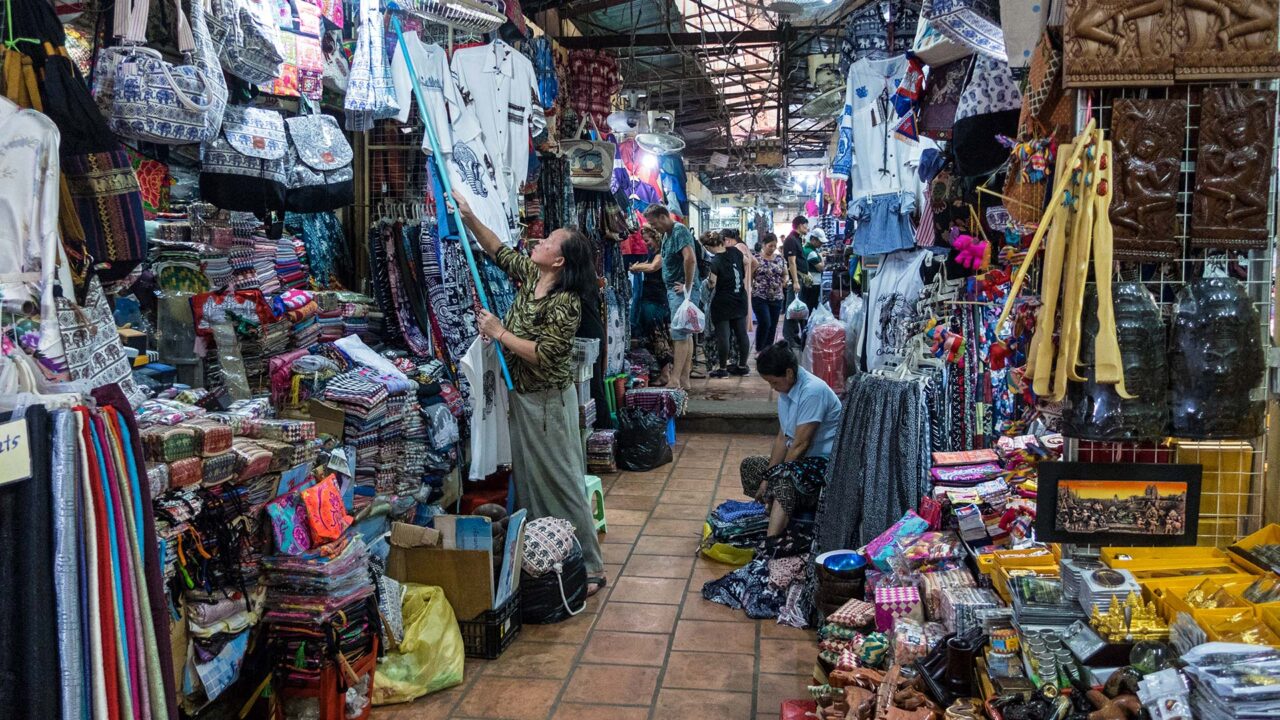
x=10 y=41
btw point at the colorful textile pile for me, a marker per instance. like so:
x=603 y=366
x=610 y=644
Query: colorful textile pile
x=602 y=447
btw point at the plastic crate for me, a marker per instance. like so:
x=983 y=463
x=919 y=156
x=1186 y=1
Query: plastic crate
x=489 y=635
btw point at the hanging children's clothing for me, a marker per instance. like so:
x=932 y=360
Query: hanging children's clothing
x=490 y=431
x=891 y=315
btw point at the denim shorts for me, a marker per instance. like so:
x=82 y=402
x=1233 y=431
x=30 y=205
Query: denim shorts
x=884 y=223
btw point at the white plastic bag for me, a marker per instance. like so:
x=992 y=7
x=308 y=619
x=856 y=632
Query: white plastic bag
x=853 y=311
x=688 y=317
x=797 y=310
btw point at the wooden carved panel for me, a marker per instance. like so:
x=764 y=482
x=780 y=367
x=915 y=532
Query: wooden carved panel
x=1118 y=42
x=1148 y=156
x=1225 y=39
x=1233 y=168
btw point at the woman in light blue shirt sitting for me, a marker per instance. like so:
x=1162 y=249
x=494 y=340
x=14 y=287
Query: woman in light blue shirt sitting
x=790 y=479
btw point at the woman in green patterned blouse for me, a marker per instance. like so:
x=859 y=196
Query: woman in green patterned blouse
x=546 y=447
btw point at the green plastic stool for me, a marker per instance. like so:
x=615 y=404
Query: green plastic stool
x=595 y=498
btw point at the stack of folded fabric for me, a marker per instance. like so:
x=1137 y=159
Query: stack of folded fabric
x=220 y=468
x=844 y=629
x=414 y=460
x=363 y=401
x=291 y=271
x=666 y=402
x=283 y=430
x=166 y=443
x=587 y=414
x=240 y=258
x=216 y=265
x=185 y=472
x=157 y=478
x=601 y=452
x=252 y=460
x=310 y=588
x=211 y=438
x=264 y=265
x=167 y=412
x=737 y=523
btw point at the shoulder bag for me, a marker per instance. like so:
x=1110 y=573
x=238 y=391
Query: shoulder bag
x=246 y=167
x=319 y=165
x=155 y=101
x=248 y=41
x=590 y=161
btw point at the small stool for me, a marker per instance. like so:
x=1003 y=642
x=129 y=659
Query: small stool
x=595 y=499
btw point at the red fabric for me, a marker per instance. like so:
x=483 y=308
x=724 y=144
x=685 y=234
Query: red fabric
x=827 y=342
x=798 y=709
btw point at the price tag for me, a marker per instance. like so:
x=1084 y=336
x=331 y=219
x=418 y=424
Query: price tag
x=15 y=452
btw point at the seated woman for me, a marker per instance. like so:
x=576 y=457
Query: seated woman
x=791 y=477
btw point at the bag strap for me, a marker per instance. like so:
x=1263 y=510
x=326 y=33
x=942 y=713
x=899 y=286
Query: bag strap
x=131 y=23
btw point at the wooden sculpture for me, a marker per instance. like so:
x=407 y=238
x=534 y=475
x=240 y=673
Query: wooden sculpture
x=1218 y=39
x=1233 y=168
x=1118 y=42
x=1148 y=154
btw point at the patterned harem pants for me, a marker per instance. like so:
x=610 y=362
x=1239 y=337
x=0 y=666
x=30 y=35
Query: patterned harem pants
x=796 y=484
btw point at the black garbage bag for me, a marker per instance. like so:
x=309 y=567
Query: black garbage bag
x=553 y=597
x=642 y=440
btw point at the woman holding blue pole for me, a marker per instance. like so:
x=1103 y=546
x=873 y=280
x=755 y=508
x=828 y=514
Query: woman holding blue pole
x=546 y=446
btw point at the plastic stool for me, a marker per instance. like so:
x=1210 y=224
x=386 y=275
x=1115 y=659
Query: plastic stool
x=595 y=499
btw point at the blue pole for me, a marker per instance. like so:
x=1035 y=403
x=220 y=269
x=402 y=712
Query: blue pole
x=437 y=157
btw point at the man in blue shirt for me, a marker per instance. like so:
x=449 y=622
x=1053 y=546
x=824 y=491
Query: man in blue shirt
x=680 y=273
x=791 y=478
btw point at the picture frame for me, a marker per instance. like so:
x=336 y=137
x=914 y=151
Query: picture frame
x=1136 y=504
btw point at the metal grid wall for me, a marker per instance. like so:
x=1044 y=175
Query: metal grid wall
x=1235 y=477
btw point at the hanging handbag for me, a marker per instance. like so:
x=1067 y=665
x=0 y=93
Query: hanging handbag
x=320 y=174
x=155 y=101
x=988 y=108
x=590 y=161
x=245 y=167
x=969 y=23
x=249 y=40
x=93 y=349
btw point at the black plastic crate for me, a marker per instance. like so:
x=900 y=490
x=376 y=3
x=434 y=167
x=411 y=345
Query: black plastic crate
x=490 y=633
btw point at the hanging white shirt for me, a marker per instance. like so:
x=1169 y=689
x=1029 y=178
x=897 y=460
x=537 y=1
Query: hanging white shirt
x=490 y=430
x=503 y=87
x=892 y=316
x=472 y=170
x=870 y=154
x=30 y=242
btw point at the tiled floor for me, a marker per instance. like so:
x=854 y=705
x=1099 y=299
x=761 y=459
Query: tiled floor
x=750 y=387
x=648 y=647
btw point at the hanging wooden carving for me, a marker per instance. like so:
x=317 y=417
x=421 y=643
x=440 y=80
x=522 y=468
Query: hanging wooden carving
x=1225 y=39
x=1118 y=42
x=1148 y=141
x=1233 y=166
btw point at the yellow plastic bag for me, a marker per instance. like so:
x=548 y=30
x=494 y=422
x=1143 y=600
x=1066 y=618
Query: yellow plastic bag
x=431 y=656
x=724 y=552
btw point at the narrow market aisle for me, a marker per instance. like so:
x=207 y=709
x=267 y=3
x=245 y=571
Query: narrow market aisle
x=648 y=647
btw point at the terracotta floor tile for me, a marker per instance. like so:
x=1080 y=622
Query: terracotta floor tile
x=710 y=671
x=694 y=635
x=619 y=648
x=529 y=659
x=612 y=684
x=613 y=570
x=679 y=528
x=661 y=566
x=773 y=689
x=702 y=704
x=680 y=512
x=656 y=474
x=788 y=657
x=711 y=460
x=663 y=591
x=628 y=487
x=638 y=617
x=659 y=545
x=621 y=534
x=697 y=607
x=772 y=630
x=629 y=502
x=578 y=711
x=686 y=497
x=701 y=575
x=573 y=631
x=625 y=517
x=510 y=698
x=698 y=485
x=695 y=474
x=615 y=553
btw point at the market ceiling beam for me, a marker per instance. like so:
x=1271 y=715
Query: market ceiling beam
x=579 y=9
x=678 y=39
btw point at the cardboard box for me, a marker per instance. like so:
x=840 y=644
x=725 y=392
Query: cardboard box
x=431 y=557
x=328 y=418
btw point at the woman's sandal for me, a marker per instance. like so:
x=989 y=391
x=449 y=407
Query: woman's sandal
x=595 y=584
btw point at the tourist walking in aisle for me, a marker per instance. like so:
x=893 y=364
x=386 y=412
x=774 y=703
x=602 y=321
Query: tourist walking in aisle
x=680 y=273
x=810 y=294
x=790 y=478
x=727 y=277
x=546 y=446
x=653 y=318
x=767 y=291
x=793 y=251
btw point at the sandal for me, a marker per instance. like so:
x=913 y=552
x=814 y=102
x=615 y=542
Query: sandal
x=595 y=584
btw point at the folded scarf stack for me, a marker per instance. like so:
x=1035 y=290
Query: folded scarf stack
x=187 y=471
x=602 y=448
x=217 y=469
x=211 y=437
x=739 y=523
x=166 y=443
x=252 y=460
